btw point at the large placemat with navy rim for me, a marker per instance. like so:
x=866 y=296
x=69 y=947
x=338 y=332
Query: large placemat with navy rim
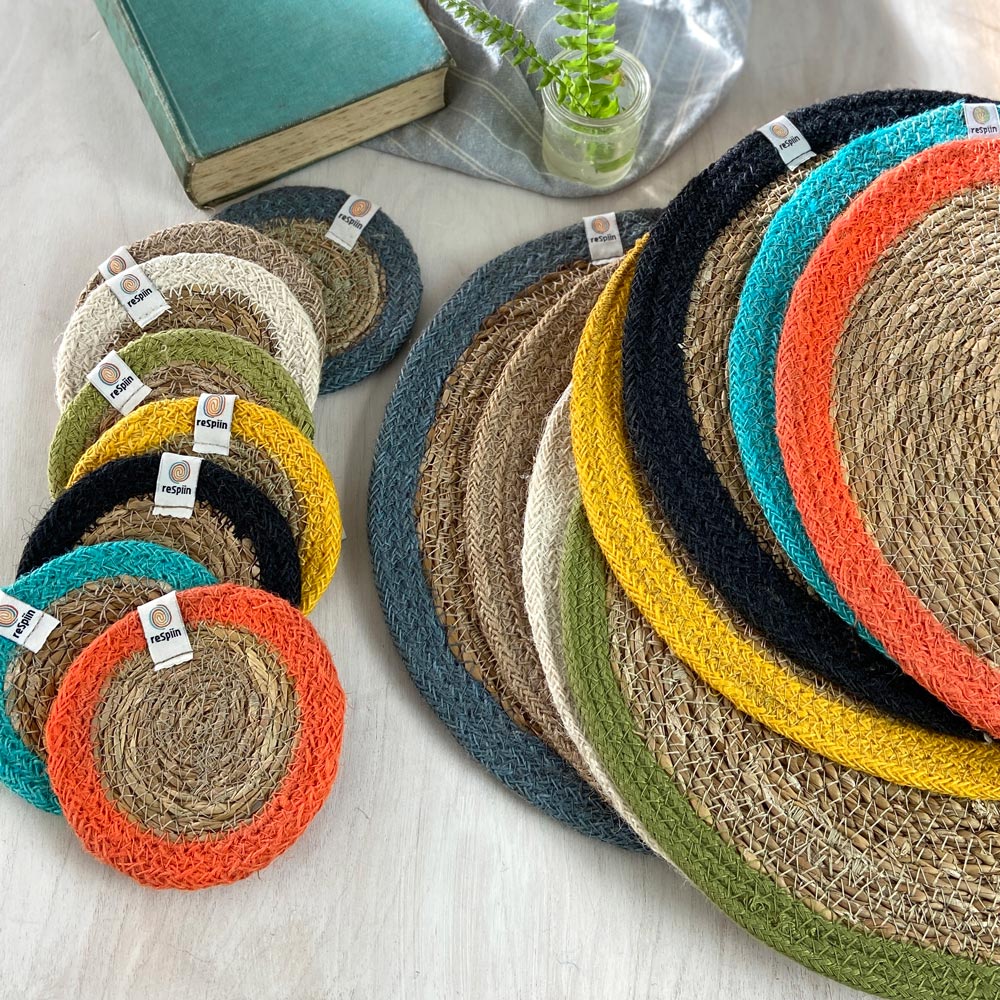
x=681 y=312
x=518 y=758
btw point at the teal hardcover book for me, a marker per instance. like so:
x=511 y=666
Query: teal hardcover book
x=241 y=92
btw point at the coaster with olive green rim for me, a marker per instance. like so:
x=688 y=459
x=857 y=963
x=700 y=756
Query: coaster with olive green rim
x=175 y=364
x=703 y=629
x=207 y=291
x=87 y=590
x=211 y=236
x=204 y=772
x=516 y=757
x=266 y=450
x=371 y=293
x=235 y=530
x=681 y=312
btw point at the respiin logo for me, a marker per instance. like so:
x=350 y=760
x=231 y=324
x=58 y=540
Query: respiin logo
x=981 y=114
x=214 y=405
x=8 y=615
x=179 y=472
x=779 y=130
x=160 y=617
x=109 y=373
x=130 y=284
x=360 y=207
x=600 y=225
x=116 y=265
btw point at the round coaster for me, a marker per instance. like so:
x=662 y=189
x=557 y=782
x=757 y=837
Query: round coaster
x=175 y=364
x=87 y=589
x=264 y=449
x=788 y=243
x=884 y=388
x=211 y=236
x=703 y=630
x=681 y=313
x=204 y=291
x=518 y=758
x=202 y=773
x=884 y=888
x=235 y=530
x=371 y=293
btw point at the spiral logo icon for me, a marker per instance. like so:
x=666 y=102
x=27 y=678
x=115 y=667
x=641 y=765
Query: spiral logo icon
x=179 y=472
x=8 y=615
x=779 y=130
x=214 y=405
x=109 y=373
x=160 y=616
x=360 y=207
x=981 y=114
x=130 y=284
x=116 y=264
x=600 y=225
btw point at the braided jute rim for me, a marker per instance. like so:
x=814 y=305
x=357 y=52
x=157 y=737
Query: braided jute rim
x=382 y=237
x=211 y=236
x=926 y=642
x=269 y=629
x=702 y=629
x=748 y=182
x=118 y=497
x=178 y=363
x=665 y=782
x=217 y=292
x=519 y=759
x=790 y=240
x=22 y=769
x=293 y=462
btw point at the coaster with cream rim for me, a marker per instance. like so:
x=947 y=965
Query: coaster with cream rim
x=266 y=450
x=885 y=399
x=204 y=291
x=201 y=773
x=517 y=757
x=703 y=629
x=371 y=293
x=234 y=529
x=681 y=311
x=87 y=590
x=175 y=364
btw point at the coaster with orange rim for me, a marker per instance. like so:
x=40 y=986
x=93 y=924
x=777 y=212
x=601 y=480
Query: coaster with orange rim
x=201 y=773
x=886 y=395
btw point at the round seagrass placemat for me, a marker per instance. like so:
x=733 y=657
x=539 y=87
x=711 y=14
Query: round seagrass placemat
x=371 y=293
x=885 y=888
x=516 y=757
x=207 y=291
x=86 y=589
x=699 y=625
x=175 y=364
x=265 y=449
x=681 y=312
x=886 y=392
x=212 y=236
x=235 y=530
x=204 y=772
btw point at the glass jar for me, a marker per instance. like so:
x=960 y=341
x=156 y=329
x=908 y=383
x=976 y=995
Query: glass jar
x=597 y=151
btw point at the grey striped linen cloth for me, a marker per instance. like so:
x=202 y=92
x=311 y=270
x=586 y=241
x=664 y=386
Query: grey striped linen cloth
x=492 y=125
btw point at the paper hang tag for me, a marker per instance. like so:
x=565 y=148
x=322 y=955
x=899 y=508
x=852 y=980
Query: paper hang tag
x=138 y=295
x=350 y=222
x=166 y=635
x=119 y=261
x=213 y=423
x=23 y=624
x=790 y=143
x=603 y=238
x=981 y=120
x=117 y=383
x=176 y=485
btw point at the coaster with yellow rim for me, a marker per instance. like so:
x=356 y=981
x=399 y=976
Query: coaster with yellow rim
x=175 y=364
x=201 y=773
x=87 y=590
x=698 y=624
x=266 y=450
x=371 y=293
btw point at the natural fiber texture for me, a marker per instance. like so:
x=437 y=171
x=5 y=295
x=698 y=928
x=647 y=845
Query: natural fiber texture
x=703 y=630
x=175 y=364
x=266 y=449
x=680 y=315
x=903 y=514
x=518 y=758
x=235 y=530
x=371 y=293
x=884 y=888
x=202 y=773
x=499 y=463
x=204 y=291
x=211 y=236
x=87 y=589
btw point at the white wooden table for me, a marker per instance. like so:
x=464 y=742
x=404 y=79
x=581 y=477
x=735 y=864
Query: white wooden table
x=422 y=877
